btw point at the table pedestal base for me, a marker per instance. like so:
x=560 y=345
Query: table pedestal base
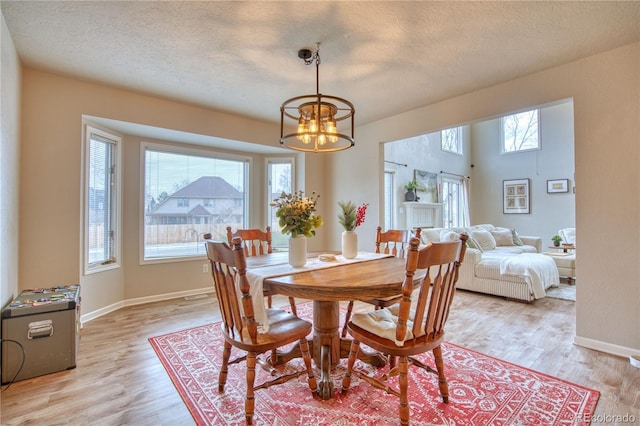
x=327 y=348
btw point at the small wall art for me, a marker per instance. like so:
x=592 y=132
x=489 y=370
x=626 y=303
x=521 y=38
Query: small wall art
x=516 y=198
x=557 y=185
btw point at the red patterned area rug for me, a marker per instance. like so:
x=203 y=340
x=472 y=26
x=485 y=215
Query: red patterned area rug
x=482 y=390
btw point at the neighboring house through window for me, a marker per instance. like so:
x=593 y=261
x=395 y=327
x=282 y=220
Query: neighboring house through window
x=189 y=193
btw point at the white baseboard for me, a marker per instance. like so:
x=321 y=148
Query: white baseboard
x=100 y=312
x=609 y=348
x=141 y=301
x=167 y=296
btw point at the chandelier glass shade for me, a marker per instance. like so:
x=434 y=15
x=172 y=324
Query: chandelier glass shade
x=316 y=123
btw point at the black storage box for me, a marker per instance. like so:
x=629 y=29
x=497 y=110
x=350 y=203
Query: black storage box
x=45 y=324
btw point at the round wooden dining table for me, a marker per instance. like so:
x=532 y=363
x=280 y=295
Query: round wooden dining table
x=377 y=278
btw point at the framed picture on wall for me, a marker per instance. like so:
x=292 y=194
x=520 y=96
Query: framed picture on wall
x=515 y=196
x=557 y=185
x=428 y=183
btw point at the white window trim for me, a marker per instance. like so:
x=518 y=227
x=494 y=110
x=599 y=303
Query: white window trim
x=188 y=151
x=390 y=197
x=519 y=151
x=117 y=245
x=460 y=183
x=288 y=159
x=458 y=130
x=291 y=159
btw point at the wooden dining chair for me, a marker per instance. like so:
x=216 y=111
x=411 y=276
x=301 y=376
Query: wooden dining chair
x=257 y=242
x=396 y=243
x=411 y=327
x=228 y=266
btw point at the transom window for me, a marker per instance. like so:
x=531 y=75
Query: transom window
x=188 y=193
x=520 y=132
x=451 y=140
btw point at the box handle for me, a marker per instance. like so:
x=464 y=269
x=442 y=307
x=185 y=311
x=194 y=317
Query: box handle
x=40 y=329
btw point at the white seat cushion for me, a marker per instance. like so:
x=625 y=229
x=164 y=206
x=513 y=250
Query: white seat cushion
x=383 y=322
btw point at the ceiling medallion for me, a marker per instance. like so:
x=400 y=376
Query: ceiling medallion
x=314 y=120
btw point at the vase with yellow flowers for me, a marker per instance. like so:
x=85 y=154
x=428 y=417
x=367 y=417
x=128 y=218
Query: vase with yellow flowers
x=297 y=217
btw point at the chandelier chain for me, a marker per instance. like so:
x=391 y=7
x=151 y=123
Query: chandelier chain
x=314 y=57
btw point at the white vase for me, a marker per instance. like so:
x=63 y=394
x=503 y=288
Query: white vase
x=349 y=244
x=298 y=251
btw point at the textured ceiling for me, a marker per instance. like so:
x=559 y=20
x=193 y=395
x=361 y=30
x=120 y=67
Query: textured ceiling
x=241 y=56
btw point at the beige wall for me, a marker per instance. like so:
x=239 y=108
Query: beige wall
x=606 y=93
x=9 y=165
x=50 y=202
x=556 y=160
x=481 y=148
x=422 y=152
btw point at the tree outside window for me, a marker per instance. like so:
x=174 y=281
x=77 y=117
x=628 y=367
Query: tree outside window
x=451 y=140
x=520 y=132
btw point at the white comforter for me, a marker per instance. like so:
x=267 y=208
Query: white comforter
x=539 y=271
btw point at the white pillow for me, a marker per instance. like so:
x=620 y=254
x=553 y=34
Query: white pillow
x=471 y=243
x=486 y=226
x=447 y=235
x=516 y=238
x=568 y=235
x=430 y=236
x=503 y=237
x=484 y=239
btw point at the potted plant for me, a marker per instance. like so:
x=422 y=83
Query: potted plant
x=411 y=188
x=556 y=240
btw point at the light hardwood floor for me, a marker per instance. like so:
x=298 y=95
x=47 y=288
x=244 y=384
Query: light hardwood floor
x=119 y=380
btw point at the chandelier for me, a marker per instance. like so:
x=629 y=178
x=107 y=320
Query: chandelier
x=315 y=118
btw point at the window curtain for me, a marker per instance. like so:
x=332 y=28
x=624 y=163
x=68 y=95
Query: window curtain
x=466 y=216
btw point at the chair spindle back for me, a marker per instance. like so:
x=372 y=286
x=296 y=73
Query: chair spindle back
x=228 y=266
x=441 y=262
x=394 y=241
x=255 y=241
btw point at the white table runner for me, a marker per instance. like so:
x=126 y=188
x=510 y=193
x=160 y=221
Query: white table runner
x=257 y=275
